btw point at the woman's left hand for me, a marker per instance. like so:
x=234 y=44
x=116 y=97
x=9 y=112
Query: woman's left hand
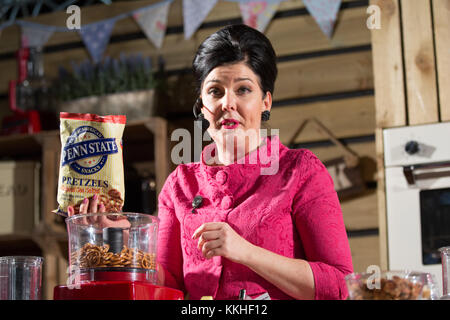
x=219 y=239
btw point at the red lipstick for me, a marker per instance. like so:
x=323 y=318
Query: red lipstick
x=229 y=123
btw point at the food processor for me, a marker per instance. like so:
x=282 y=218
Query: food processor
x=112 y=256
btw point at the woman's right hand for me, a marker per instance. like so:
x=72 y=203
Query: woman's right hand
x=102 y=221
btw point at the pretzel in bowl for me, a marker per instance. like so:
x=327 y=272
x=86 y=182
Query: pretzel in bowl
x=93 y=256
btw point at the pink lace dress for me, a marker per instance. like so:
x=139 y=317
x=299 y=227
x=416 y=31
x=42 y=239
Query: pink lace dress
x=292 y=209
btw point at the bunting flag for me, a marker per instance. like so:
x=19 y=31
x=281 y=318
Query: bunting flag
x=36 y=37
x=96 y=37
x=194 y=12
x=324 y=12
x=257 y=14
x=153 y=22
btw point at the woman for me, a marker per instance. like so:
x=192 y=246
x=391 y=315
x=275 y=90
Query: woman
x=233 y=221
x=280 y=233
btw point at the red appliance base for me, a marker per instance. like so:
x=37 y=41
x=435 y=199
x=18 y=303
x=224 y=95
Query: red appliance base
x=117 y=290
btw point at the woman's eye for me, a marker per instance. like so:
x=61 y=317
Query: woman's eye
x=214 y=91
x=243 y=90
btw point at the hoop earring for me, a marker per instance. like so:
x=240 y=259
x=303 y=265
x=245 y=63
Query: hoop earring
x=265 y=115
x=204 y=125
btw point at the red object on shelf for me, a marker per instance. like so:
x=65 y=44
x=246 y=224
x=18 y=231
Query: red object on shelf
x=117 y=290
x=13 y=95
x=22 y=58
x=27 y=122
x=21 y=121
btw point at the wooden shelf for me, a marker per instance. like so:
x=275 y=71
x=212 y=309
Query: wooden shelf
x=22 y=145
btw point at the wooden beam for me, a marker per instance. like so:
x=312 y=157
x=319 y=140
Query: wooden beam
x=381 y=196
x=361 y=212
x=390 y=99
x=359 y=119
x=364 y=252
x=419 y=62
x=162 y=155
x=388 y=66
x=312 y=77
x=179 y=52
x=324 y=75
x=51 y=150
x=62 y=270
x=441 y=14
x=223 y=10
x=49 y=275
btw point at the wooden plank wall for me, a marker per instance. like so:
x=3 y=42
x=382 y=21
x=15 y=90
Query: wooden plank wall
x=330 y=79
x=411 y=57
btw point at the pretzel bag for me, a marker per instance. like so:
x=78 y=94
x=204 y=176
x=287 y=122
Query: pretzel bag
x=91 y=161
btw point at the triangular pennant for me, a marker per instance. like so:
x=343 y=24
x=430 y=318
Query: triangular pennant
x=324 y=12
x=257 y=14
x=33 y=36
x=194 y=12
x=96 y=37
x=153 y=22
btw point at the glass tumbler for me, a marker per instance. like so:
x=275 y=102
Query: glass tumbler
x=21 y=278
x=445 y=259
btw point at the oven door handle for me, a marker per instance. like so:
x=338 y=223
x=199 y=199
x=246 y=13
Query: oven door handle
x=408 y=171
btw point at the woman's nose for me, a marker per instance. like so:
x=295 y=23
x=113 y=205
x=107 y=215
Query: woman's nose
x=228 y=102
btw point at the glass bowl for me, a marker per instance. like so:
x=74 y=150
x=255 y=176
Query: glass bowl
x=113 y=246
x=392 y=285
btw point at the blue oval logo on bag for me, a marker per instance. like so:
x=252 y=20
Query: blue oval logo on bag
x=86 y=150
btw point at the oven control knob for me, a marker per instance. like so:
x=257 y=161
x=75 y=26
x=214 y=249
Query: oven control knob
x=412 y=147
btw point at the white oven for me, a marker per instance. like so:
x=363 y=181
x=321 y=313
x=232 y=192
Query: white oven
x=417 y=172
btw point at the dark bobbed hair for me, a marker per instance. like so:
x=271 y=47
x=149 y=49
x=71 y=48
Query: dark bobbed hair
x=233 y=44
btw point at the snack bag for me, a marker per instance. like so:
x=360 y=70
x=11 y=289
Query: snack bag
x=91 y=161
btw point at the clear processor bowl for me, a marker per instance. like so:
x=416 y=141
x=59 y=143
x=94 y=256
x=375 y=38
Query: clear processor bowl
x=392 y=285
x=112 y=247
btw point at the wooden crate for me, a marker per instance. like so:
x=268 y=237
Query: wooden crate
x=19 y=197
